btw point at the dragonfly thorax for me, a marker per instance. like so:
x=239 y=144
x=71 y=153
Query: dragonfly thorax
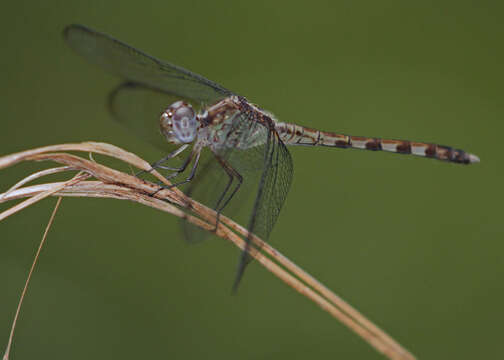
x=178 y=123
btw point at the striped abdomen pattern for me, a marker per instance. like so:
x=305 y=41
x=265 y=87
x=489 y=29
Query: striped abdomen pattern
x=292 y=134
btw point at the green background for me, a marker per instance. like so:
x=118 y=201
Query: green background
x=415 y=244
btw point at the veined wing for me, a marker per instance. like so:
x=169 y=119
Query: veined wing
x=272 y=189
x=134 y=65
x=262 y=160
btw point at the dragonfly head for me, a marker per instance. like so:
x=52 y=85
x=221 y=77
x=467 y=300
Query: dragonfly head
x=178 y=123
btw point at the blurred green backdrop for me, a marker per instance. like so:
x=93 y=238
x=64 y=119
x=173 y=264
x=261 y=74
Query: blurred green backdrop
x=415 y=244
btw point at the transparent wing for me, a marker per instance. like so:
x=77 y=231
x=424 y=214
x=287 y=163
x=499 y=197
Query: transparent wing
x=263 y=161
x=134 y=65
x=274 y=184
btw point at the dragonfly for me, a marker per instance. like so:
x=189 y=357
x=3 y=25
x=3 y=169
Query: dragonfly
x=237 y=152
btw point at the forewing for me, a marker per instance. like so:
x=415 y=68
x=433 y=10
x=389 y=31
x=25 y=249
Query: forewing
x=134 y=65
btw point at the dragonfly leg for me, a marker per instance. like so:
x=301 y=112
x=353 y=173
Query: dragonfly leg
x=233 y=174
x=157 y=164
x=180 y=170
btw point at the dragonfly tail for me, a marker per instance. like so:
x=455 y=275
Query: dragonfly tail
x=292 y=134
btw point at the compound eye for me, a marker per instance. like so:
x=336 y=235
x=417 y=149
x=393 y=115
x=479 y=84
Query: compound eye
x=184 y=115
x=184 y=122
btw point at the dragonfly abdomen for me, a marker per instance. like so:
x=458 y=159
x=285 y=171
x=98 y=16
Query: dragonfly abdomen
x=292 y=134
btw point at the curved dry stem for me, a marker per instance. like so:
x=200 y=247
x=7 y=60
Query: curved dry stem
x=28 y=278
x=115 y=184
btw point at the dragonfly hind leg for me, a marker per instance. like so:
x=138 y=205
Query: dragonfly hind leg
x=233 y=174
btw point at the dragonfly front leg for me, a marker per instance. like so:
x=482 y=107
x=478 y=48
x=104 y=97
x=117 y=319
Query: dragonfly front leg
x=194 y=154
x=157 y=164
x=233 y=174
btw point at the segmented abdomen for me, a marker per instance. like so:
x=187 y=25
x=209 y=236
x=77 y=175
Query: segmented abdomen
x=292 y=134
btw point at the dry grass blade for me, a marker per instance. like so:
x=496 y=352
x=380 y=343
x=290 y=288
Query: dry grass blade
x=37 y=175
x=28 y=278
x=112 y=183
